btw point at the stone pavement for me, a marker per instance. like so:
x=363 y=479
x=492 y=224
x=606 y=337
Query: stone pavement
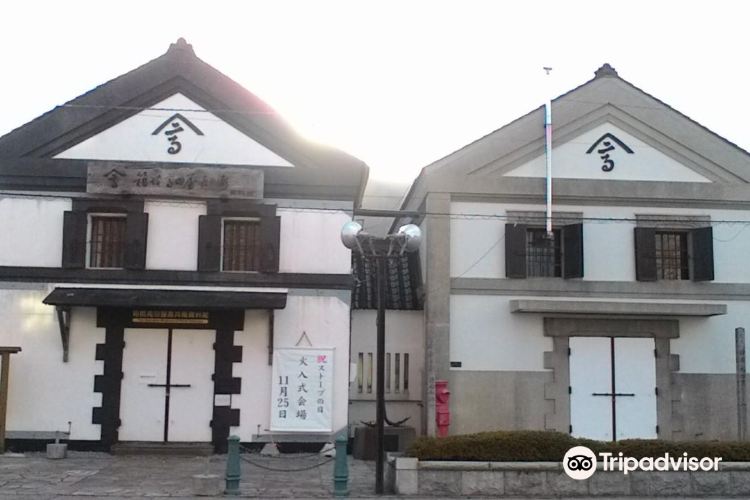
x=100 y=475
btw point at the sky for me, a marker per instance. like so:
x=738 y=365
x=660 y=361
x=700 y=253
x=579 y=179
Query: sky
x=396 y=84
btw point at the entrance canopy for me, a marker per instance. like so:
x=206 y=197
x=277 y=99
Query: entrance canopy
x=209 y=301
x=135 y=297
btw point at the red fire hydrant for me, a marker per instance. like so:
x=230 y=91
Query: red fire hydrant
x=442 y=407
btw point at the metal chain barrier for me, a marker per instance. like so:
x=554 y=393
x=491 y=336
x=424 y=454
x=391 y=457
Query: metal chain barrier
x=247 y=451
x=234 y=473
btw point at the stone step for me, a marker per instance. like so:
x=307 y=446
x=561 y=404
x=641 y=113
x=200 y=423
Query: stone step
x=151 y=448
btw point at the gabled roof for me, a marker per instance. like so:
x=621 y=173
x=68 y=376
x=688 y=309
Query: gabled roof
x=180 y=70
x=606 y=96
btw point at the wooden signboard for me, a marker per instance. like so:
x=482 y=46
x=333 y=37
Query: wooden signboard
x=148 y=317
x=199 y=182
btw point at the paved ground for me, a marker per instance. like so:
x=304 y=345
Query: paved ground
x=99 y=475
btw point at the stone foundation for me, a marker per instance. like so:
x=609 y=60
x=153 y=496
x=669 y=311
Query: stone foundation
x=409 y=476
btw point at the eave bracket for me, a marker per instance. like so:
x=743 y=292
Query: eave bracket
x=63 y=320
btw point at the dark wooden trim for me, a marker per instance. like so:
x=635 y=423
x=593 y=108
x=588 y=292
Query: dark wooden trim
x=269 y=244
x=163 y=277
x=209 y=243
x=271 y=315
x=168 y=385
x=108 y=205
x=572 y=236
x=178 y=299
x=239 y=208
x=515 y=251
x=226 y=354
x=109 y=384
x=136 y=237
x=702 y=253
x=224 y=417
x=74 y=240
x=645 y=254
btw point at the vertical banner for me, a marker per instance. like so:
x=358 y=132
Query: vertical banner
x=302 y=391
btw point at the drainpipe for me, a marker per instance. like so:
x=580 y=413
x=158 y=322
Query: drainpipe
x=548 y=155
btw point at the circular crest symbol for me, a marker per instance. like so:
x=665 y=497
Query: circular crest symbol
x=579 y=463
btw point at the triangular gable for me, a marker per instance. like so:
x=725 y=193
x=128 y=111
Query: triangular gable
x=178 y=130
x=607 y=97
x=319 y=171
x=607 y=152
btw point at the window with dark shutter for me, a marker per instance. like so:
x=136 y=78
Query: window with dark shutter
x=240 y=245
x=238 y=235
x=530 y=252
x=105 y=234
x=106 y=244
x=674 y=254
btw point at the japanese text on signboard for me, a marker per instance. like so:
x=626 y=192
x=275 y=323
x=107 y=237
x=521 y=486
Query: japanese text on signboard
x=302 y=392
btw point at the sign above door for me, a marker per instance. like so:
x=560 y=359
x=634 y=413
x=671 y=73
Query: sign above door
x=169 y=317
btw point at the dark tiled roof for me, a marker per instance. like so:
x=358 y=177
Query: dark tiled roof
x=403 y=282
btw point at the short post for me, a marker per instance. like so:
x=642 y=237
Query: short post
x=232 y=476
x=5 y=353
x=341 y=468
x=739 y=344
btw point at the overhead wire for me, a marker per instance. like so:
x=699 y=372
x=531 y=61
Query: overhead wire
x=668 y=218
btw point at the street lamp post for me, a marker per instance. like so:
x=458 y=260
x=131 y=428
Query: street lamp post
x=380 y=249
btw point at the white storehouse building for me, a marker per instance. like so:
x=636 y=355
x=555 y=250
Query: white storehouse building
x=623 y=324
x=171 y=265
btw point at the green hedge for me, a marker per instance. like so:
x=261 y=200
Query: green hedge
x=545 y=446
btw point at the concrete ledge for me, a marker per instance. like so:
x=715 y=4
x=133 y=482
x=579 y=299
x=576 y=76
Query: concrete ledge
x=409 y=476
x=611 y=308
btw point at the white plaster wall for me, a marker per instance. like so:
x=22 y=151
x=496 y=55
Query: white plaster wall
x=254 y=401
x=45 y=393
x=645 y=164
x=485 y=335
x=311 y=242
x=32 y=231
x=173 y=234
x=325 y=319
x=706 y=345
x=404 y=333
x=478 y=245
x=133 y=140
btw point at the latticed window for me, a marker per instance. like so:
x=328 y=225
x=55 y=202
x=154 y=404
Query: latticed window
x=240 y=242
x=672 y=255
x=543 y=255
x=107 y=241
x=396 y=373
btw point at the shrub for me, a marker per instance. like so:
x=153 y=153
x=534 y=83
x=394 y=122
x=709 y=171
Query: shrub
x=546 y=446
